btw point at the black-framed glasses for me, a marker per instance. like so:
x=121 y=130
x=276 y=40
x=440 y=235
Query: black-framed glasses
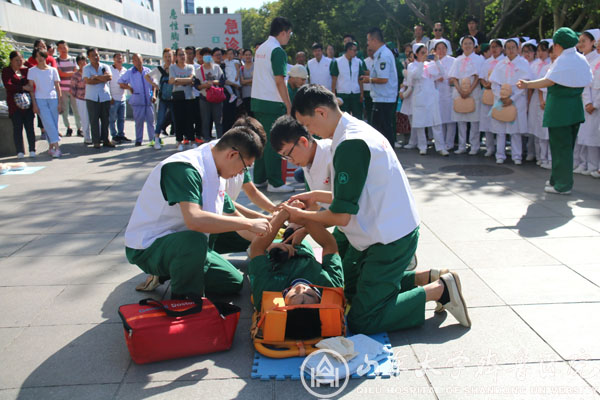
x=241 y=158
x=288 y=156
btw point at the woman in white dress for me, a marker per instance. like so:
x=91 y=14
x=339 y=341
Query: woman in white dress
x=485 y=120
x=467 y=65
x=529 y=52
x=596 y=97
x=440 y=47
x=536 y=111
x=585 y=159
x=509 y=71
x=425 y=99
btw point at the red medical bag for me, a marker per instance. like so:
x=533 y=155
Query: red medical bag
x=163 y=330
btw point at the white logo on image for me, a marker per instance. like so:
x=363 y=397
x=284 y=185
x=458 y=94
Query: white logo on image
x=325 y=373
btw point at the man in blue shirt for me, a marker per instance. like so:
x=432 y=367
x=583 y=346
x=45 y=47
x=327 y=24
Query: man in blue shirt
x=384 y=85
x=97 y=97
x=142 y=98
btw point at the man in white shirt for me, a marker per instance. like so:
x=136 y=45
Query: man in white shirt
x=116 y=116
x=419 y=36
x=438 y=32
x=318 y=67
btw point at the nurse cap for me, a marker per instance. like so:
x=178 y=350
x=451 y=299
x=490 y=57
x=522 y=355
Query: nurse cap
x=476 y=43
x=549 y=41
x=436 y=41
x=502 y=41
x=530 y=41
x=514 y=39
x=595 y=33
x=417 y=46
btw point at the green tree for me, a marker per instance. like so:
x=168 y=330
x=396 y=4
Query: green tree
x=5 y=49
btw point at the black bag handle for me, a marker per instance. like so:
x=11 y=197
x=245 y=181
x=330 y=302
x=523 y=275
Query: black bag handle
x=194 y=310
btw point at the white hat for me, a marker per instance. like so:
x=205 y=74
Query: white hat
x=530 y=41
x=442 y=40
x=525 y=38
x=502 y=41
x=595 y=33
x=515 y=39
x=417 y=46
x=549 y=41
x=472 y=37
x=298 y=71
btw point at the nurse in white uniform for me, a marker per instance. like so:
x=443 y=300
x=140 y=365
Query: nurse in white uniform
x=509 y=71
x=539 y=67
x=467 y=65
x=485 y=120
x=585 y=157
x=442 y=84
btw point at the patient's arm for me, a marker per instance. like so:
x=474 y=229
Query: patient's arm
x=260 y=244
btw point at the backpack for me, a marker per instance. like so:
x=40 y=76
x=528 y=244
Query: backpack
x=165 y=91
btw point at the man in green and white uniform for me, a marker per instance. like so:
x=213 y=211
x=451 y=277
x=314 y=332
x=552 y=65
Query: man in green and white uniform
x=345 y=80
x=181 y=204
x=372 y=204
x=267 y=274
x=270 y=99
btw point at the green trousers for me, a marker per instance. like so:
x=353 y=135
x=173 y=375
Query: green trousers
x=383 y=294
x=228 y=242
x=368 y=106
x=184 y=256
x=352 y=104
x=268 y=167
x=342 y=242
x=562 y=143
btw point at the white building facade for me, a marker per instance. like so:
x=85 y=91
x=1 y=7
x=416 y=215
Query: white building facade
x=111 y=25
x=181 y=29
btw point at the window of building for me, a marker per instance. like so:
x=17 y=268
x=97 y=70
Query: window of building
x=16 y=2
x=125 y=31
x=57 y=11
x=86 y=20
x=139 y=35
x=188 y=29
x=38 y=6
x=108 y=26
x=73 y=16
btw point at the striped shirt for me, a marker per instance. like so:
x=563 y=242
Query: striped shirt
x=66 y=65
x=78 y=86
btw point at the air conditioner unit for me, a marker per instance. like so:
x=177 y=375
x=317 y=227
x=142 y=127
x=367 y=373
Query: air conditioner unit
x=216 y=10
x=199 y=10
x=207 y=10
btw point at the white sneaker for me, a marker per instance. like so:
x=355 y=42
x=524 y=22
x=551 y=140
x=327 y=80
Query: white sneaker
x=457 y=305
x=410 y=146
x=499 y=161
x=239 y=102
x=473 y=152
x=261 y=185
x=489 y=153
x=587 y=172
x=157 y=145
x=20 y=155
x=460 y=151
x=56 y=153
x=280 y=189
x=595 y=174
x=232 y=98
x=518 y=162
x=550 y=189
x=444 y=153
x=530 y=157
x=423 y=152
x=32 y=154
x=434 y=275
x=579 y=170
x=546 y=165
x=180 y=147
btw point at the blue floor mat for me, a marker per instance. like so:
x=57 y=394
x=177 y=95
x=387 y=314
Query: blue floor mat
x=26 y=171
x=265 y=368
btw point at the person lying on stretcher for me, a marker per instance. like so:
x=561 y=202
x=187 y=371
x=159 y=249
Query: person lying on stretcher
x=280 y=266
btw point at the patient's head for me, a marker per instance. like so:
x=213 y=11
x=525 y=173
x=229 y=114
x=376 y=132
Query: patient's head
x=300 y=292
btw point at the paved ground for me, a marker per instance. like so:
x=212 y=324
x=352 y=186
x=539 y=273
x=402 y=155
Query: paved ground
x=529 y=263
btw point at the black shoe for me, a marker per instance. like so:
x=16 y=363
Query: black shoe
x=79 y=133
x=117 y=140
x=69 y=132
x=137 y=144
x=108 y=144
x=125 y=139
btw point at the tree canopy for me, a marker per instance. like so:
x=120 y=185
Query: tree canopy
x=326 y=21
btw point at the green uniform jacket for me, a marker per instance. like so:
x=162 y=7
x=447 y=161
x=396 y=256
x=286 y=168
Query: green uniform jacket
x=303 y=265
x=564 y=107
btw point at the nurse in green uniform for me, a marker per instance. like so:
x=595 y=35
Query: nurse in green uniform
x=269 y=274
x=270 y=99
x=372 y=204
x=565 y=81
x=180 y=204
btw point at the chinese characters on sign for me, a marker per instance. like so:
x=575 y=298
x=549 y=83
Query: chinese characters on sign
x=174 y=28
x=231 y=28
